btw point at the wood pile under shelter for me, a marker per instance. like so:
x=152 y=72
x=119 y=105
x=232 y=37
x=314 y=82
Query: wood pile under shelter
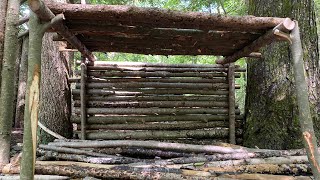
x=181 y=102
x=153 y=31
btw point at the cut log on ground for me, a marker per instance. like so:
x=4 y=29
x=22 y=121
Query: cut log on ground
x=50 y=155
x=190 y=148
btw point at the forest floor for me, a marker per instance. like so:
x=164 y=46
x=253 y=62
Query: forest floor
x=99 y=163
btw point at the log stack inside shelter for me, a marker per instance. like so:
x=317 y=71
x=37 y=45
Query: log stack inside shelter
x=115 y=28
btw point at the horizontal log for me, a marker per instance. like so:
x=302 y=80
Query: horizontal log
x=146 y=104
x=150 y=91
x=78 y=170
x=103 y=28
x=155 y=111
x=212 y=86
x=155 y=79
x=259 y=161
x=163 y=65
x=150 y=45
x=142 y=152
x=293 y=169
x=176 y=50
x=168 y=69
x=148 y=135
x=157 y=74
x=190 y=148
x=111 y=159
x=153 y=98
x=160 y=126
x=143 y=119
x=72 y=151
x=129 y=15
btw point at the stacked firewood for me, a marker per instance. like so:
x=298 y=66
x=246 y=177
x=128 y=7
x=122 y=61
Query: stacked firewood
x=162 y=160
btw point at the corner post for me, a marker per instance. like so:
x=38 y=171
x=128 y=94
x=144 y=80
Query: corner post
x=232 y=116
x=309 y=139
x=32 y=98
x=83 y=98
x=7 y=79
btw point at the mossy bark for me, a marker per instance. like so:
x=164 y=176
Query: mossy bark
x=271 y=106
x=7 y=75
x=36 y=32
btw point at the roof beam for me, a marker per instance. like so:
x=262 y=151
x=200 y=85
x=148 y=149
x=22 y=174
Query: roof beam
x=272 y=35
x=45 y=14
x=154 y=17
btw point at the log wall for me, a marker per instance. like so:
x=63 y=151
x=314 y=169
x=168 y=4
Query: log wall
x=170 y=102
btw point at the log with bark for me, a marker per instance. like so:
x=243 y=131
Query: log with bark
x=154 y=134
x=212 y=86
x=154 y=79
x=158 y=74
x=160 y=126
x=189 y=148
x=144 y=104
x=154 y=98
x=114 y=119
x=166 y=69
x=139 y=92
x=157 y=111
x=50 y=155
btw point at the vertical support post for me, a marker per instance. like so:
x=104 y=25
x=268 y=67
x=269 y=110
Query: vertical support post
x=232 y=116
x=83 y=99
x=7 y=79
x=36 y=32
x=309 y=139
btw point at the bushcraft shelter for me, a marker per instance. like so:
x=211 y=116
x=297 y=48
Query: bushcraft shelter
x=146 y=98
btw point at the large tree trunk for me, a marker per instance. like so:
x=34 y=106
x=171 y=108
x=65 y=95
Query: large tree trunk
x=55 y=92
x=271 y=108
x=3 y=12
x=7 y=75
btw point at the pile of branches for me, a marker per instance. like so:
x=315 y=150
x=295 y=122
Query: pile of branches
x=161 y=160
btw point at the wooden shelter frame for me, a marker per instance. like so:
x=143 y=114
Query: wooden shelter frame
x=47 y=17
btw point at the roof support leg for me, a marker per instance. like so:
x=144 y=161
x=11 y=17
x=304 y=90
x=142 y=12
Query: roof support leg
x=309 y=139
x=232 y=115
x=83 y=99
x=32 y=98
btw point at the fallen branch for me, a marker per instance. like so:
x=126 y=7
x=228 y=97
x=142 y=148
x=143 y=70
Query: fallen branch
x=82 y=158
x=149 y=145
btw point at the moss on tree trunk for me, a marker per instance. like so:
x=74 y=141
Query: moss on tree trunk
x=271 y=107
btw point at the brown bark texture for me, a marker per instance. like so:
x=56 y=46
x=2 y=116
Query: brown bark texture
x=54 y=111
x=271 y=107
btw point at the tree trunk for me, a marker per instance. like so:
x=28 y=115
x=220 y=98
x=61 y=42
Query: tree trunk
x=22 y=84
x=7 y=75
x=271 y=107
x=54 y=111
x=3 y=12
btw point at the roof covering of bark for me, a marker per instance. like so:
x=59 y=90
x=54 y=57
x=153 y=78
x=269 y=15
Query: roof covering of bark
x=114 y=28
